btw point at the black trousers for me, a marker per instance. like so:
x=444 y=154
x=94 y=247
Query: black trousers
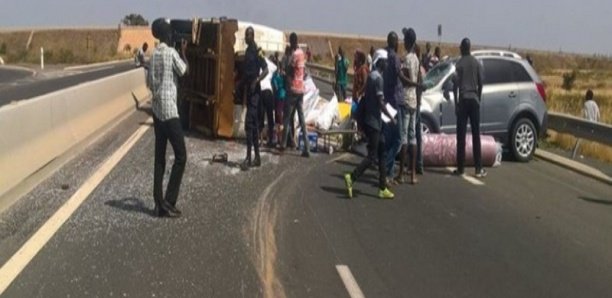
x=419 y=139
x=293 y=104
x=251 y=123
x=468 y=108
x=376 y=153
x=169 y=130
x=266 y=113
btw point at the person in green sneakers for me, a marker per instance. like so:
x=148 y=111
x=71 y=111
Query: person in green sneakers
x=369 y=116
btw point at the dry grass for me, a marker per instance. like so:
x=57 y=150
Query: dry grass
x=62 y=46
x=599 y=80
x=593 y=73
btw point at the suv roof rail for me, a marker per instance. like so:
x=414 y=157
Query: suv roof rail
x=501 y=53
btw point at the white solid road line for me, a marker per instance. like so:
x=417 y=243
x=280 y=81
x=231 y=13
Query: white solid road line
x=11 y=269
x=99 y=68
x=349 y=281
x=468 y=178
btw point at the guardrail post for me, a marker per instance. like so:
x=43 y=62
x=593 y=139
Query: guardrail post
x=575 y=150
x=42 y=58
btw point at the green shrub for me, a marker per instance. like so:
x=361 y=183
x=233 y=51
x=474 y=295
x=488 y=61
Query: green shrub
x=568 y=80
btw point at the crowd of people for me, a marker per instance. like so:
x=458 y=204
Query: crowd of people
x=274 y=95
x=388 y=91
x=387 y=88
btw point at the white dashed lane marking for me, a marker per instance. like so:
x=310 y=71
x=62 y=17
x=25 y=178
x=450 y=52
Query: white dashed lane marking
x=349 y=281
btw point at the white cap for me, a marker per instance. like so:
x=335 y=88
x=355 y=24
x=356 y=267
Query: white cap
x=379 y=54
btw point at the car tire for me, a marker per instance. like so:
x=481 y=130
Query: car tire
x=426 y=126
x=523 y=140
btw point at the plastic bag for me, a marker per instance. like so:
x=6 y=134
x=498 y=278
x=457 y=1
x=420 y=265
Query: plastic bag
x=328 y=114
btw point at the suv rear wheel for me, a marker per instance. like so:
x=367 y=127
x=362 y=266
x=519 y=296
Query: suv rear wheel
x=523 y=140
x=426 y=127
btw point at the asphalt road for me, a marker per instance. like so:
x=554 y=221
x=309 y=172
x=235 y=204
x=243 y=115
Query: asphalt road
x=531 y=230
x=8 y=74
x=35 y=87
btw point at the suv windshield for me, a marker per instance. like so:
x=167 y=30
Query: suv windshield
x=437 y=74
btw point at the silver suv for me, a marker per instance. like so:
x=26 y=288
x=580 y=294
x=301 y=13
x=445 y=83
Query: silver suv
x=512 y=109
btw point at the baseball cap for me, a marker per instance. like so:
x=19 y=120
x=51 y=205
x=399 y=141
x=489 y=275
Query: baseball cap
x=379 y=54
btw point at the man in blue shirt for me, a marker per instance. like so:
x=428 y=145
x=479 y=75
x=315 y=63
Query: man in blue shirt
x=254 y=70
x=393 y=91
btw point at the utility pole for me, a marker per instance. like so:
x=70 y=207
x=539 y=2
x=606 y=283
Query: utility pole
x=87 y=40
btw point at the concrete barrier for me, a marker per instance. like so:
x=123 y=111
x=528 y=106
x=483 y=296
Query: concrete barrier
x=36 y=131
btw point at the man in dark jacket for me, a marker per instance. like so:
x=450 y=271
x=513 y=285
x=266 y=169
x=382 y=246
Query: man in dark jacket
x=254 y=70
x=468 y=81
x=373 y=105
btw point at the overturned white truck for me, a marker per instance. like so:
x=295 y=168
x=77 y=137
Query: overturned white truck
x=214 y=54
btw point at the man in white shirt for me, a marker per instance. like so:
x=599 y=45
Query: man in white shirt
x=166 y=66
x=266 y=107
x=409 y=77
x=590 y=110
x=140 y=56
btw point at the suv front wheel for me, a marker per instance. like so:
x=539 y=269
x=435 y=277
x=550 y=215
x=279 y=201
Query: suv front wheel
x=523 y=139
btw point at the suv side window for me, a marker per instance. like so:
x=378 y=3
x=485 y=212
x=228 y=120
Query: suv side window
x=519 y=73
x=497 y=71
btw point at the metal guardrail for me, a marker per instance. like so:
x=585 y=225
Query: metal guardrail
x=562 y=123
x=326 y=74
x=580 y=128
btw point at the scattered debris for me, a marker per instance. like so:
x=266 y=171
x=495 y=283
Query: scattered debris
x=220 y=158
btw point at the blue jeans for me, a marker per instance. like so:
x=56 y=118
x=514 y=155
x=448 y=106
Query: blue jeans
x=393 y=142
x=419 y=143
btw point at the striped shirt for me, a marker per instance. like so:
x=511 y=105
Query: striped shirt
x=165 y=67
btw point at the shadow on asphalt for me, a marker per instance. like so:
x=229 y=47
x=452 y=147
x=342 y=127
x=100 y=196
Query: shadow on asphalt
x=131 y=205
x=596 y=201
x=342 y=194
x=437 y=171
x=367 y=178
x=347 y=163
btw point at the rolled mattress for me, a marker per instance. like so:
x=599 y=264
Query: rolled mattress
x=441 y=150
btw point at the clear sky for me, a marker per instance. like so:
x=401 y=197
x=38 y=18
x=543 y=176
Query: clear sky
x=574 y=26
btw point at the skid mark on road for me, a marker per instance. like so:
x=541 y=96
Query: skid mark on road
x=341 y=157
x=264 y=241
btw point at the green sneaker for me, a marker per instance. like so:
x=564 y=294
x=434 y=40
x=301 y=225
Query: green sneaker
x=385 y=194
x=349 y=184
